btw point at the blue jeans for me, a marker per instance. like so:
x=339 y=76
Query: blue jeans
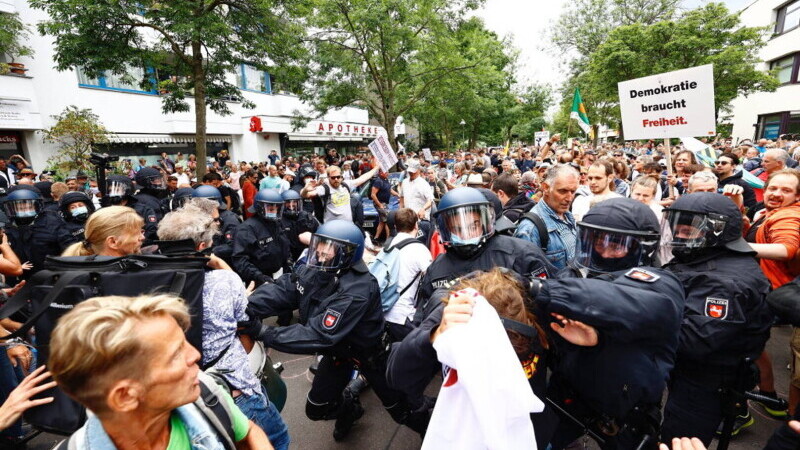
x=261 y=411
x=9 y=379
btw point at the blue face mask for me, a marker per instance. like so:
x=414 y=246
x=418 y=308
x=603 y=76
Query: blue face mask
x=24 y=214
x=80 y=212
x=455 y=240
x=271 y=215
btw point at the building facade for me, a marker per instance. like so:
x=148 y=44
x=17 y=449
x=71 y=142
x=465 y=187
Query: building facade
x=31 y=96
x=772 y=114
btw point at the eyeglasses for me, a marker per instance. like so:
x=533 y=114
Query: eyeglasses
x=336 y=177
x=617 y=155
x=721 y=163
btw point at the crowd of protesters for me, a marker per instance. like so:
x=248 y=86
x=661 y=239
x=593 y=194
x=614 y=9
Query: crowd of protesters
x=286 y=237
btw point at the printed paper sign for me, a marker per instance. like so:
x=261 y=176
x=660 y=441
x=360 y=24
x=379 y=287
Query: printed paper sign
x=426 y=152
x=668 y=105
x=541 y=137
x=381 y=149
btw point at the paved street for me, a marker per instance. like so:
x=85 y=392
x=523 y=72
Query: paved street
x=377 y=431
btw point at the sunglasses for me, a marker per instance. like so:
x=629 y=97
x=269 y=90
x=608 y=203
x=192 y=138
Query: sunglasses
x=336 y=177
x=721 y=163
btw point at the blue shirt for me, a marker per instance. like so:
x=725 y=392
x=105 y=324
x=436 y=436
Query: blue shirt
x=563 y=234
x=384 y=189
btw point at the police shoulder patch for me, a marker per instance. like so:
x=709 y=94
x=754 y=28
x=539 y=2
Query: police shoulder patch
x=539 y=273
x=639 y=274
x=330 y=319
x=716 y=308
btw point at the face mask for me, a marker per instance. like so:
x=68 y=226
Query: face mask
x=80 y=213
x=458 y=241
x=271 y=215
x=26 y=214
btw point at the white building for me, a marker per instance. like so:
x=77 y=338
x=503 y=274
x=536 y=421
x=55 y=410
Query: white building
x=771 y=114
x=28 y=100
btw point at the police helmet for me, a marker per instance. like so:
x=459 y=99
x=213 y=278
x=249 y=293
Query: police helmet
x=118 y=188
x=180 y=198
x=292 y=203
x=22 y=204
x=79 y=213
x=149 y=178
x=465 y=220
x=704 y=220
x=307 y=171
x=336 y=245
x=210 y=192
x=617 y=234
x=268 y=204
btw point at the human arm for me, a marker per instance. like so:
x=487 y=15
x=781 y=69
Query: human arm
x=374 y=196
x=548 y=146
x=19 y=400
x=274 y=298
x=243 y=244
x=310 y=189
x=256 y=439
x=365 y=176
x=783 y=236
x=9 y=263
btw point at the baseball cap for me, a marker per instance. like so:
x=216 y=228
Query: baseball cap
x=412 y=166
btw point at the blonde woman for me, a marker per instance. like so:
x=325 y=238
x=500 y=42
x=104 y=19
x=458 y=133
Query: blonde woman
x=111 y=231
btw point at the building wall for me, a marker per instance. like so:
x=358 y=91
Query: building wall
x=45 y=92
x=786 y=98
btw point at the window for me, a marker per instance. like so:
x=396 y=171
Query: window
x=786 y=68
x=108 y=80
x=772 y=126
x=253 y=79
x=788 y=17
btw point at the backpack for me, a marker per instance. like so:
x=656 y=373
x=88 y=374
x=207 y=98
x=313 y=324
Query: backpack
x=356 y=206
x=212 y=405
x=67 y=281
x=386 y=269
x=506 y=227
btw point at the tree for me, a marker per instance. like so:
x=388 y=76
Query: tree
x=196 y=44
x=707 y=35
x=13 y=35
x=388 y=55
x=75 y=133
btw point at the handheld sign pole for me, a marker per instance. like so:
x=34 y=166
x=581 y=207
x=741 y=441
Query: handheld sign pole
x=668 y=157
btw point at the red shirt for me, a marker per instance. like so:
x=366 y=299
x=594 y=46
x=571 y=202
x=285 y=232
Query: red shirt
x=249 y=193
x=781 y=226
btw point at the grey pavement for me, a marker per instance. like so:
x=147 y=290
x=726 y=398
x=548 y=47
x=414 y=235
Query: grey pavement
x=377 y=431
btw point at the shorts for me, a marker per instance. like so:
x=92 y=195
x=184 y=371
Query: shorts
x=794 y=344
x=383 y=214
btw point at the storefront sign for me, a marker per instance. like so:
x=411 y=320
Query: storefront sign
x=381 y=149
x=344 y=129
x=9 y=138
x=668 y=105
x=14 y=114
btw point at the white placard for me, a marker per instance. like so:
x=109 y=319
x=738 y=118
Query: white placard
x=381 y=149
x=541 y=137
x=668 y=105
x=426 y=152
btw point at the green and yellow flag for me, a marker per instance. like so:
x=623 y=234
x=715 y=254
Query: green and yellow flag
x=579 y=112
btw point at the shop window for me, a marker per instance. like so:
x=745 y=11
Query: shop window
x=108 y=80
x=250 y=78
x=770 y=126
x=786 y=68
x=788 y=17
x=793 y=127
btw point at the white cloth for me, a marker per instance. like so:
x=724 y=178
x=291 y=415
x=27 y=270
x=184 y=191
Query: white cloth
x=183 y=179
x=584 y=203
x=413 y=260
x=484 y=403
x=416 y=194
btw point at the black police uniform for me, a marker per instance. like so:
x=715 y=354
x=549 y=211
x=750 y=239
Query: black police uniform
x=340 y=318
x=223 y=242
x=149 y=216
x=152 y=202
x=47 y=235
x=308 y=203
x=294 y=227
x=726 y=320
x=259 y=250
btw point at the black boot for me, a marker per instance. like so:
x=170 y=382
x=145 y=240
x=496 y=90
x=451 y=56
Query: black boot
x=351 y=410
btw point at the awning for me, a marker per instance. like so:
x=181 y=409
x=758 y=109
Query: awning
x=164 y=138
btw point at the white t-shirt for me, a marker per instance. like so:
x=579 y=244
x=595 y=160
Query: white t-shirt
x=183 y=179
x=584 y=203
x=338 y=205
x=416 y=194
x=414 y=258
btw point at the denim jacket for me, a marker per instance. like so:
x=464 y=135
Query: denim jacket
x=563 y=234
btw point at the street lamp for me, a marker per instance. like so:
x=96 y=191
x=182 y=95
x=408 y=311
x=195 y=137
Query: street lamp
x=462 y=129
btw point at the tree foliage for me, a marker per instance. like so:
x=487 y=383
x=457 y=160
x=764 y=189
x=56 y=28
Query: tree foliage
x=197 y=44
x=13 y=38
x=386 y=55
x=75 y=133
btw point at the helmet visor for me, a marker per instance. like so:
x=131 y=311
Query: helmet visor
x=690 y=230
x=117 y=189
x=466 y=225
x=609 y=251
x=271 y=211
x=292 y=206
x=329 y=254
x=22 y=208
x=156 y=182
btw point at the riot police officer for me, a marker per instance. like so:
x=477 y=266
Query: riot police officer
x=259 y=247
x=152 y=190
x=228 y=222
x=34 y=233
x=340 y=318
x=726 y=320
x=119 y=191
x=305 y=174
x=298 y=225
x=75 y=208
x=613 y=389
x=178 y=199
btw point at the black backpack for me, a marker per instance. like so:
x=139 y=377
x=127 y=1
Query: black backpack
x=506 y=227
x=67 y=281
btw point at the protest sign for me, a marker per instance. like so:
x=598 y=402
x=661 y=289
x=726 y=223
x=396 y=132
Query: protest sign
x=426 y=152
x=541 y=137
x=669 y=105
x=381 y=149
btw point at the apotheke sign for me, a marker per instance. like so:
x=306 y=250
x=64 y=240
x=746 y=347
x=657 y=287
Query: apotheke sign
x=668 y=105
x=344 y=129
